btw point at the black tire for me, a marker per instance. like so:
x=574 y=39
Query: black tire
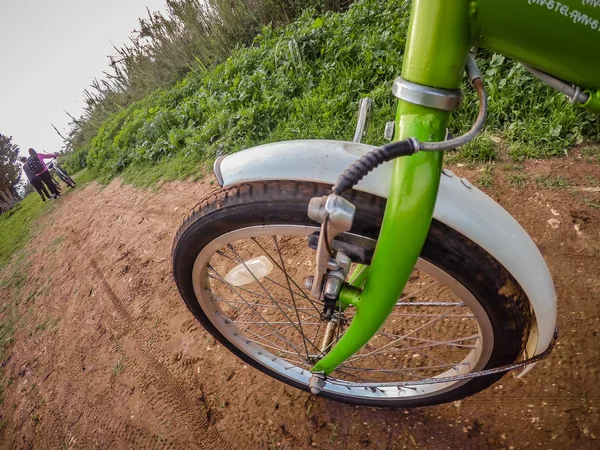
x=56 y=184
x=66 y=178
x=286 y=202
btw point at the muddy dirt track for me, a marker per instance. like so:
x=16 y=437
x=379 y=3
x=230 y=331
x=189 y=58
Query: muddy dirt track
x=107 y=355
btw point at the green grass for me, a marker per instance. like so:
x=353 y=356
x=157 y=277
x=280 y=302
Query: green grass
x=333 y=435
x=175 y=168
x=16 y=225
x=592 y=181
x=482 y=149
x=552 y=182
x=119 y=368
x=16 y=228
x=591 y=153
x=304 y=81
x=486 y=179
x=517 y=180
x=85 y=176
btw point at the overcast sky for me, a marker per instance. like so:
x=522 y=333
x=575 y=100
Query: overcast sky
x=50 y=51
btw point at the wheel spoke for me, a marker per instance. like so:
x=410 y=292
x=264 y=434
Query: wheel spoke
x=304 y=339
x=432 y=331
x=443 y=304
x=451 y=343
x=258 y=314
x=287 y=277
x=276 y=305
x=261 y=305
x=265 y=278
x=404 y=369
x=431 y=322
x=301 y=293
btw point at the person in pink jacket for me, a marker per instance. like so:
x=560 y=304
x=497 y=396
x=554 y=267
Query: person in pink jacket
x=36 y=163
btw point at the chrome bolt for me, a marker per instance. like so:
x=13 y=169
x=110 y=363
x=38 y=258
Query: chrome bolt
x=389 y=131
x=308 y=282
x=317 y=383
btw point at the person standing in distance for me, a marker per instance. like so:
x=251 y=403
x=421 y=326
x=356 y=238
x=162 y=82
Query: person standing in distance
x=36 y=164
x=34 y=180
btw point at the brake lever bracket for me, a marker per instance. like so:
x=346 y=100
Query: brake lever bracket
x=335 y=214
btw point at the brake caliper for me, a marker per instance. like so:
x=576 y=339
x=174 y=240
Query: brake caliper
x=335 y=214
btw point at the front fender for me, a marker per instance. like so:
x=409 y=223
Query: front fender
x=459 y=205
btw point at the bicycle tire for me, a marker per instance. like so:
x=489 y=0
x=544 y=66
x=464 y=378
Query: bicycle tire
x=242 y=209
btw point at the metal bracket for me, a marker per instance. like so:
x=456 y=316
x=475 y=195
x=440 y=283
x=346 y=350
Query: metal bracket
x=317 y=382
x=335 y=214
x=390 y=128
x=443 y=99
x=364 y=107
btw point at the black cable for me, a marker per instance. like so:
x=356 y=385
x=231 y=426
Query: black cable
x=361 y=168
x=326 y=237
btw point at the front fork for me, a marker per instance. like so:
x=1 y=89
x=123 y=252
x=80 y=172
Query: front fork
x=436 y=52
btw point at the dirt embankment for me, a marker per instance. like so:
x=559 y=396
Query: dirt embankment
x=107 y=356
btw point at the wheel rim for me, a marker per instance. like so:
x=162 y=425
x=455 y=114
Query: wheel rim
x=273 y=321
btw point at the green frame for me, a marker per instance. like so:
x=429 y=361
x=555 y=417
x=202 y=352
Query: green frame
x=436 y=53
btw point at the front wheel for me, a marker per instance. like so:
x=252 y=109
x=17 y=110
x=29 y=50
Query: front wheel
x=69 y=182
x=66 y=178
x=239 y=259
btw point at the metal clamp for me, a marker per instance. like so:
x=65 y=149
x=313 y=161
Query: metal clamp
x=364 y=107
x=443 y=99
x=335 y=214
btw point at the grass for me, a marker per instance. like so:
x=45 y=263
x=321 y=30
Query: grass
x=12 y=282
x=48 y=323
x=16 y=228
x=552 y=182
x=591 y=153
x=42 y=290
x=187 y=34
x=178 y=167
x=592 y=181
x=333 y=432
x=85 y=176
x=16 y=225
x=482 y=149
x=57 y=241
x=304 y=81
x=486 y=179
x=119 y=368
x=517 y=180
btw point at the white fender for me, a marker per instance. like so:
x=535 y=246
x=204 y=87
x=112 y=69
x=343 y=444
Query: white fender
x=459 y=205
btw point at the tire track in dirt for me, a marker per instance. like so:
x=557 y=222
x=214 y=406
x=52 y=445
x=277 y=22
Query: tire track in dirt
x=165 y=396
x=172 y=366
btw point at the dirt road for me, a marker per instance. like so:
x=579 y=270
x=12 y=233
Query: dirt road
x=107 y=356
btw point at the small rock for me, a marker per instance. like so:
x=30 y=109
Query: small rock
x=554 y=223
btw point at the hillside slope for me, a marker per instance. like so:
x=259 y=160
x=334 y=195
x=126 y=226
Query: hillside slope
x=304 y=81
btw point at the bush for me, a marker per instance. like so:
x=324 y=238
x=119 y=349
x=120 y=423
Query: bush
x=304 y=81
